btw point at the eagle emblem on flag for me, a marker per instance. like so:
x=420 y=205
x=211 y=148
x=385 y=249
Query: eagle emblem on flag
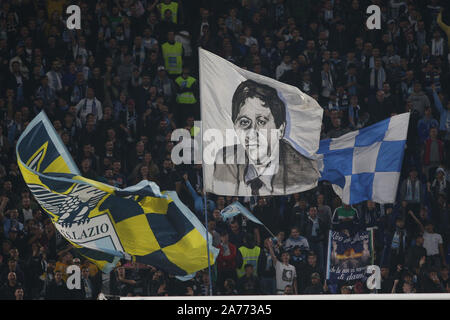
x=73 y=207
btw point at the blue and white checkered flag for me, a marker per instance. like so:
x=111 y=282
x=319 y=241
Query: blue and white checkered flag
x=365 y=164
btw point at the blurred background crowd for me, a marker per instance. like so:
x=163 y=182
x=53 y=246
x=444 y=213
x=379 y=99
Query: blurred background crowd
x=116 y=89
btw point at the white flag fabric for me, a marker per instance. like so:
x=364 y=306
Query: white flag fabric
x=260 y=136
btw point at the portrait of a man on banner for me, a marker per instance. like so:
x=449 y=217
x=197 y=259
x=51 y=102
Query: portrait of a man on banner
x=262 y=162
x=266 y=133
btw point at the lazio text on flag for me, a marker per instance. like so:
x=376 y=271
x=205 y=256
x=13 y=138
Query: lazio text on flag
x=260 y=136
x=349 y=256
x=365 y=164
x=137 y=223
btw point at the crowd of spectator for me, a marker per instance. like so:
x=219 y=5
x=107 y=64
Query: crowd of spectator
x=116 y=88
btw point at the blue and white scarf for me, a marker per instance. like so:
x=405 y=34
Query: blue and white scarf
x=395 y=245
x=409 y=192
x=141 y=53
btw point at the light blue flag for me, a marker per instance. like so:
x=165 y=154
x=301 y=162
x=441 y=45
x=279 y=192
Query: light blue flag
x=365 y=164
x=237 y=208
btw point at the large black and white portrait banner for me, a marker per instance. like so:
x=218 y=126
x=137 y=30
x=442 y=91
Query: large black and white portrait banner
x=260 y=136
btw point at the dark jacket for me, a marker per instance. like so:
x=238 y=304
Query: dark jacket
x=7 y=292
x=248 y=285
x=95 y=287
x=387 y=284
x=306 y=230
x=380 y=110
x=413 y=256
x=316 y=289
x=428 y=286
x=304 y=276
x=57 y=291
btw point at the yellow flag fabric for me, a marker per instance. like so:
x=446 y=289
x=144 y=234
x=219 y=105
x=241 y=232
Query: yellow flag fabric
x=105 y=223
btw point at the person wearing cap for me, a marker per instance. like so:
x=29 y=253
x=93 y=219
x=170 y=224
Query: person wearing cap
x=316 y=286
x=12 y=266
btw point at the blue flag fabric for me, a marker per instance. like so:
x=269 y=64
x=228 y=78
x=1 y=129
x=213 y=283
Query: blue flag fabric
x=365 y=164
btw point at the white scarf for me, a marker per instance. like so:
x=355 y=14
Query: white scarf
x=327 y=83
x=409 y=193
x=381 y=78
x=437 y=47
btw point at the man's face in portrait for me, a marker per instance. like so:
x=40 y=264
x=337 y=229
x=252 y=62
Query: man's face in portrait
x=256 y=129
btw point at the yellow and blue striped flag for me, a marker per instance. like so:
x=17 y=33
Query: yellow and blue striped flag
x=105 y=223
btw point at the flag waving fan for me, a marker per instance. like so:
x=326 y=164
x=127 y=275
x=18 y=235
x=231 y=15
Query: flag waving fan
x=105 y=223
